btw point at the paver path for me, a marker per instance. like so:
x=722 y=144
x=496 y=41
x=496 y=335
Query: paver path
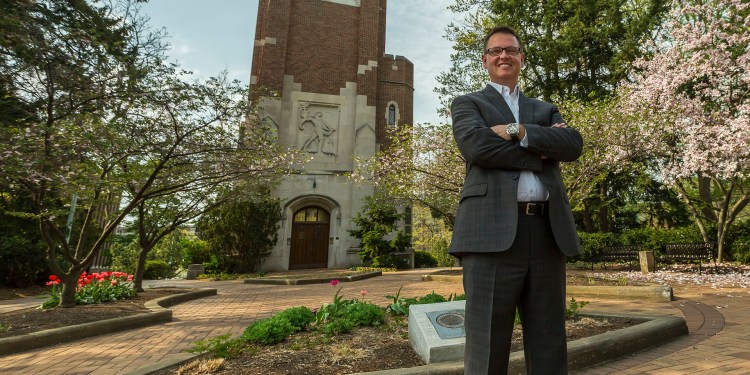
x=719 y=340
x=233 y=309
x=719 y=321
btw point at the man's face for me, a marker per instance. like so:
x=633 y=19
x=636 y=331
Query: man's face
x=504 y=69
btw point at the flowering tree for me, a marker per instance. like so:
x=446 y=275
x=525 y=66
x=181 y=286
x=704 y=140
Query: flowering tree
x=108 y=121
x=422 y=166
x=693 y=98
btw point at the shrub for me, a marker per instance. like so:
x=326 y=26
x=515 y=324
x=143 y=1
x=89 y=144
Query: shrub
x=365 y=314
x=124 y=255
x=431 y=298
x=424 y=259
x=196 y=252
x=440 y=252
x=298 y=317
x=157 y=269
x=592 y=243
x=269 y=331
x=338 y=326
x=654 y=239
x=22 y=249
x=374 y=225
x=223 y=346
x=738 y=241
x=242 y=232
x=22 y=259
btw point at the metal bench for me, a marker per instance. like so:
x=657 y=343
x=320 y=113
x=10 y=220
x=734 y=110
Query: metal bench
x=689 y=252
x=616 y=253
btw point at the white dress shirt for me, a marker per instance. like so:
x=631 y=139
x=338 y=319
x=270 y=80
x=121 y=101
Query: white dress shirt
x=530 y=189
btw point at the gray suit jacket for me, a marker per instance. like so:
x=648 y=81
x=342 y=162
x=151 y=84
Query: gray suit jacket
x=488 y=211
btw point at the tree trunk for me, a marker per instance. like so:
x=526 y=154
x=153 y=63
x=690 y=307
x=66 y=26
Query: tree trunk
x=139 y=269
x=588 y=222
x=70 y=284
x=604 y=223
x=704 y=190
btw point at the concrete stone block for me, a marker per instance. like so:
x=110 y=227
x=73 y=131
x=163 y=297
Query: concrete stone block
x=436 y=331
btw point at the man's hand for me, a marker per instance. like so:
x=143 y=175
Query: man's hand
x=501 y=131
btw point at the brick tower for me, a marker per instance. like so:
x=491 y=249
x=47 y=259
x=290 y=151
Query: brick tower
x=337 y=94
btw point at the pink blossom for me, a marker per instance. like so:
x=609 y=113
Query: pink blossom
x=334 y=282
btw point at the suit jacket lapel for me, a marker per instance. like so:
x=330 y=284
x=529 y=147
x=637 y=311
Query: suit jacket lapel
x=494 y=97
x=525 y=109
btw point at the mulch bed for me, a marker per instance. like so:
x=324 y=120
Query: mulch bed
x=365 y=349
x=30 y=320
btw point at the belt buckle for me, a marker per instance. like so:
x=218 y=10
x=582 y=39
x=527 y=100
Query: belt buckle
x=529 y=205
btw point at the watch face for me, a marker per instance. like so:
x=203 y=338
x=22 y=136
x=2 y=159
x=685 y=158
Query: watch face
x=512 y=129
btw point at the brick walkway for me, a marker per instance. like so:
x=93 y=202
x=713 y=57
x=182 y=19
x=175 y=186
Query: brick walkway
x=719 y=322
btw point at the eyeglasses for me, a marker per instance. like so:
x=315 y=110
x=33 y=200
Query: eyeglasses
x=497 y=51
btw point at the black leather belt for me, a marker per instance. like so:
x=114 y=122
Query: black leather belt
x=532 y=208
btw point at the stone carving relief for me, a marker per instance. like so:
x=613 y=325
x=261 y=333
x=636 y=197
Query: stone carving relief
x=318 y=129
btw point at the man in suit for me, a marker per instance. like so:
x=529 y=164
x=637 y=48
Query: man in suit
x=514 y=225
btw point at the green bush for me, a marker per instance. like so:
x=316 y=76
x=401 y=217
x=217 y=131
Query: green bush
x=374 y=224
x=196 y=251
x=22 y=260
x=440 y=252
x=269 y=331
x=654 y=239
x=389 y=261
x=592 y=243
x=298 y=317
x=431 y=298
x=738 y=242
x=157 y=269
x=365 y=314
x=424 y=259
x=124 y=256
x=338 y=326
x=223 y=346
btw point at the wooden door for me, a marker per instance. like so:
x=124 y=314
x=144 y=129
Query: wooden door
x=310 y=239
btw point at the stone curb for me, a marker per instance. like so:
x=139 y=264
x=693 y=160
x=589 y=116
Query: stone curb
x=582 y=353
x=176 y=359
x=321 y=280
x=657 y=293
x=158 y=314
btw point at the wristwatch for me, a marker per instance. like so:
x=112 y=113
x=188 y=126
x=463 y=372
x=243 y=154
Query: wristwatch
x=512 y=129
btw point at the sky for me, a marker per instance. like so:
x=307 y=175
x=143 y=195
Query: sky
x=208 y=36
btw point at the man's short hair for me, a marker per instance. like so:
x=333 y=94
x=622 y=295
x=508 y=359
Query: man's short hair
x=501 y=30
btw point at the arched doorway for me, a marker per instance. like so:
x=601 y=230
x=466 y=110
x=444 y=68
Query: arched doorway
x=310 y=230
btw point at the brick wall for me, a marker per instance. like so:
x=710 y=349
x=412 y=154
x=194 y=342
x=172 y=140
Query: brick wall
x=320 y=43
x=396 y=84
x=324 y=45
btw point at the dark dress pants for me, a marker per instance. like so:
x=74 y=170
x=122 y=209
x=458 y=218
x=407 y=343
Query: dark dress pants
x=531 y=276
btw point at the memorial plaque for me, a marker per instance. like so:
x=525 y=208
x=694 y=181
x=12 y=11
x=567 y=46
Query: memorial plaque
x=448 y=324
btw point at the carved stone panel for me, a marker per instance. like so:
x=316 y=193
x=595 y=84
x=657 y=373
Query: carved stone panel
x=318 y=129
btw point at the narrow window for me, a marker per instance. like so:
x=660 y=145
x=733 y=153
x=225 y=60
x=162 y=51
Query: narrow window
x=391 y=116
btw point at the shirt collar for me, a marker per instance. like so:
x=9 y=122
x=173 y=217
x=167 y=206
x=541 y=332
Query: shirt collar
x=505 y=90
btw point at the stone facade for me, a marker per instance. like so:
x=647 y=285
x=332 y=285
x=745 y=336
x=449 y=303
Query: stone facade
x=337 y=93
